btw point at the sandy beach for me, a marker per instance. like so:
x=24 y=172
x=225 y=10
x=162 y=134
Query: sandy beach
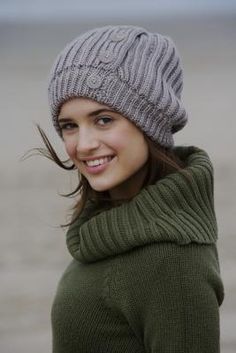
x=33 y=253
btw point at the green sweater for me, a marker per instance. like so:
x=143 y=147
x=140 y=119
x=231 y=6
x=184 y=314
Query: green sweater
x=145 y=275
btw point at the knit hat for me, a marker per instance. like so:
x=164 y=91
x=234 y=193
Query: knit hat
x=133 y=71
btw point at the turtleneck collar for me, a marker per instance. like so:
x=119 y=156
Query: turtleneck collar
x=178 y=208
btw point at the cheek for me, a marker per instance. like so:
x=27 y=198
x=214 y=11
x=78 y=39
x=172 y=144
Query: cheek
x=70 y=148
x=136 y=150
x=138 y=154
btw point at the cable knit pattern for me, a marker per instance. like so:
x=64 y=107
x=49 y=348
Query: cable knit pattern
x=145 y=275
x=136 y=72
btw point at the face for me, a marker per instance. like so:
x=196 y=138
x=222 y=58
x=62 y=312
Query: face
x=109 y=150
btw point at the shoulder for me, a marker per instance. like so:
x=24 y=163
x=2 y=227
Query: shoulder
x=170 y=296
x=169 y=267
x=161 y=255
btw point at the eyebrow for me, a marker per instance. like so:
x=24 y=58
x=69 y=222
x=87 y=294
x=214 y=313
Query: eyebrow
x=91 y=114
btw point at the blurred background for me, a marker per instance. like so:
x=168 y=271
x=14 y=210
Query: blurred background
x=33 y=253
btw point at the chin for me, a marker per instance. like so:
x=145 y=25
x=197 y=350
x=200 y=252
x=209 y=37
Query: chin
x=100 y=188
x=103 y=186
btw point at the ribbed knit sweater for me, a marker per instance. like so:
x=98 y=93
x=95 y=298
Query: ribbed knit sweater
x=145 y=275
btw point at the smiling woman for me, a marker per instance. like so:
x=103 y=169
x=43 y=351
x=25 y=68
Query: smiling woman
x=99 y=139
x=166 y=160
x=145 y=273
x=107 y=149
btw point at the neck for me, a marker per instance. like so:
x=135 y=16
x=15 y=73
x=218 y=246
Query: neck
x=129 y=187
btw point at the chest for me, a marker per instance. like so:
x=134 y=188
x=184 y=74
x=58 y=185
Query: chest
x=82 y=320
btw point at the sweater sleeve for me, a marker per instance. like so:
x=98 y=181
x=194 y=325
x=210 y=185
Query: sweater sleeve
x=170 y=296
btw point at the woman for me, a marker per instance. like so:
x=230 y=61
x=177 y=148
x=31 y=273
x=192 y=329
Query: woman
x=145 y=274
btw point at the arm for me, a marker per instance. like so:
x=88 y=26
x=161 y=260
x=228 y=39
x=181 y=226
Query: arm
x=171 y=296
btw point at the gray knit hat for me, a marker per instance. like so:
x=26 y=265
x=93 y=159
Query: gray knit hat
x=135 y=72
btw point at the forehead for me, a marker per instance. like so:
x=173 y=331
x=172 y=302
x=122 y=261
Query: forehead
x=80 y=106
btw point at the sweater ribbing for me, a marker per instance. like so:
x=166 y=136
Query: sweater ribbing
x=178 y=208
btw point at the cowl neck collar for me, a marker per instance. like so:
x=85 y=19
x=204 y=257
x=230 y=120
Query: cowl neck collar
x=179 y=208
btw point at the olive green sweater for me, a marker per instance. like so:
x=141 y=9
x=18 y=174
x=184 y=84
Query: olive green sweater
x=145 y=275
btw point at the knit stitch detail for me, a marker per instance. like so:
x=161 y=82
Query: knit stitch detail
x=136 y=72
x=178 y=208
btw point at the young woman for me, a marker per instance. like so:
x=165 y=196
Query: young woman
x=145 y=273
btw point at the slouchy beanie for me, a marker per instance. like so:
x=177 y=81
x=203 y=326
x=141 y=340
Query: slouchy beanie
x=133 y=71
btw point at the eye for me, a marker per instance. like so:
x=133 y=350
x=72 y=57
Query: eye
x=68 y=126
x=104 y=120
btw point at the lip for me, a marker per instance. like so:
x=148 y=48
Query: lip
x=98 y=169
x=95 y=157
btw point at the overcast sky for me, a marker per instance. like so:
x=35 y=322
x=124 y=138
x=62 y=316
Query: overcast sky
x=54 y=9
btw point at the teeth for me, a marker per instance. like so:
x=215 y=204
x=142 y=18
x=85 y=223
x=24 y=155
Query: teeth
x=97 y=162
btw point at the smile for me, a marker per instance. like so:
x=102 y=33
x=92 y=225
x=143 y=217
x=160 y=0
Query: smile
x=97 y=162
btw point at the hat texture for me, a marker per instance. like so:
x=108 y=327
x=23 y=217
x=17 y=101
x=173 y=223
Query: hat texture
x=135 y=72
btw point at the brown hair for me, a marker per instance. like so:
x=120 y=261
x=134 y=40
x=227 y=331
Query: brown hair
x=162 y=161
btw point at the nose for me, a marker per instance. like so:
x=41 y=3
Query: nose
x=87 y=141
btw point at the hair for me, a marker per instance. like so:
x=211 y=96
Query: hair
x=161 y=162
